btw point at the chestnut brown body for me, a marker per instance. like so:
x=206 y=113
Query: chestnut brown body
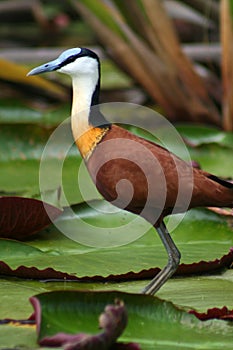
x=134 y=173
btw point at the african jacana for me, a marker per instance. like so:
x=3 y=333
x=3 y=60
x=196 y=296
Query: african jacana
x=115 y=156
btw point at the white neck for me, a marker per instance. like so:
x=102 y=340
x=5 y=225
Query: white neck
x=83 y=89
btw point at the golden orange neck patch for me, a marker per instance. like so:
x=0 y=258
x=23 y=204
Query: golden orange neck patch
x=87 y=142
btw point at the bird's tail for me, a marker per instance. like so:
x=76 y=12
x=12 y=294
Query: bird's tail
x=222 y=182
x=222 y=192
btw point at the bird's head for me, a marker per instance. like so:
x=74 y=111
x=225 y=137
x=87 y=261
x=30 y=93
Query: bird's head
x=74 y=62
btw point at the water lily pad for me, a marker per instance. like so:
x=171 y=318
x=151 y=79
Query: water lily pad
x=23 y=217
x=199 y=135
x=53 y=255
x=74 y=312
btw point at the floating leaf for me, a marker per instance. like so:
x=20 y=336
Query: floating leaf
x=12 y=336
x=199 y=135
x=201 y=292
x=22 y=217
x=14 y=113
x=22 y=148
x=53 y=255
x=214 y=159
x=112 y=321
x=76 y=311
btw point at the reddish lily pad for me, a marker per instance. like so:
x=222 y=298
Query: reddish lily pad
x=222 y=314
x=22 y=217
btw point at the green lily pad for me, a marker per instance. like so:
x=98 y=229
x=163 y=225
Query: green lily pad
x=199 y=135
x=200 y=229
x=22 y=148
x=214 y=158
x=18 y=337
x=201 y=292
x=15 y=113
x=74 y=312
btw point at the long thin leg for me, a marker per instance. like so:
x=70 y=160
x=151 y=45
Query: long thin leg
x=172 y=265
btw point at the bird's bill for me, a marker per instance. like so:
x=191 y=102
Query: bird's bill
x=44 y=68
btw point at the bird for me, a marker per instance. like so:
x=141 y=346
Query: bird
x=129 y=171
